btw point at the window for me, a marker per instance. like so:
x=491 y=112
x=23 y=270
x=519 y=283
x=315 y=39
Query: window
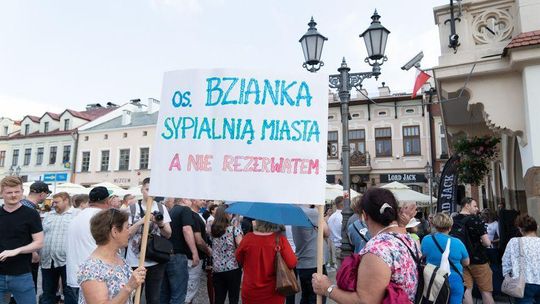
x=357 y=140
x=85 y=161
x=46 y=127
x=6 y=130
x=144 y=133
x=332 y=147
x=27 y=156
x=409 y=111
x=356 y=115
x=411 y=140
x=15 y=159
x=2 y=158
x=382 y=113
x=106 y=136
x=26 y=129
x=105 y=160
x=444 y=144
x=123 y=163
x=86 y=138
x=39 y=156
x=145 y=156
x=383 y=142
x=331 y=117
x=124 y=135
x=52 y=156
x=66 y=155
x=66 y=124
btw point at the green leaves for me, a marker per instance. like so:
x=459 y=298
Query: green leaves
x=475 y=156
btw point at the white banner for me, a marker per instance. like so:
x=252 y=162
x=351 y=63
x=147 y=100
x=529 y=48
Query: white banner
x=242 y=136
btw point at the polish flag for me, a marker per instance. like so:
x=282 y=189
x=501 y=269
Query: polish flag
x=421 y=78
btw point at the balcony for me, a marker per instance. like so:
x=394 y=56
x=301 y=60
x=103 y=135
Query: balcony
x=360 y=161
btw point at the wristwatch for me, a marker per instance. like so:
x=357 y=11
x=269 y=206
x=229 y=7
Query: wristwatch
x=329 y=290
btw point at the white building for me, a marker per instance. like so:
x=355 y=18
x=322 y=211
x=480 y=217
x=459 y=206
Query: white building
x=7 y=127
x=46 y=144
x=116 y=147
x=389 y=139
x=489 y=85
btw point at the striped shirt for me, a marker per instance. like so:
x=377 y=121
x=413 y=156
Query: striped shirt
x=55 y=227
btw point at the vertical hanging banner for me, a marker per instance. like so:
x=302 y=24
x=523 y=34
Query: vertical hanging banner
x=242 y=136
x=448 y=187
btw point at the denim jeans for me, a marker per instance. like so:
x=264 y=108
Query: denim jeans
x=531 y=294
x=20 y=286
x=71 y=295
x=175 y=280
x=49 y=283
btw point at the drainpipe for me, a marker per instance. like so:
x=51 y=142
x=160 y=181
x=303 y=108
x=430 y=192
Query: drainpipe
x=75 y=136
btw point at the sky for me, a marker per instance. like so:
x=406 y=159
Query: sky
x=62 y=54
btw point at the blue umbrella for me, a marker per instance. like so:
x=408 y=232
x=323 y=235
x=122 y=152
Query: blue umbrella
x=285 y=214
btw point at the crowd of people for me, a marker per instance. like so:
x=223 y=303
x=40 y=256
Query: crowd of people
x=88 y=248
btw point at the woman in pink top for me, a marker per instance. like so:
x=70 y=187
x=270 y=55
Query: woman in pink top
x=386 y=258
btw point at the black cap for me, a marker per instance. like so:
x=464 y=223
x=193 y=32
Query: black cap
x=98 y=194
x=39 y=187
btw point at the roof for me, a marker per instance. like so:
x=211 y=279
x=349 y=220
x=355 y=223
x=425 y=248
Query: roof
x=52 y=115
x=138 y=119
x=524 y=39
x=89 y=114
x=32 y=118
x=40 y=134
x=379 y=99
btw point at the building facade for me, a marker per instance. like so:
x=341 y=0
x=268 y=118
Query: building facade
x=488 y=85
x=390 y=138
x=116 y=148
x=45 y=145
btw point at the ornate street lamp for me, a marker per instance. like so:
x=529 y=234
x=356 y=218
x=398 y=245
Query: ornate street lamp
x=312 y=43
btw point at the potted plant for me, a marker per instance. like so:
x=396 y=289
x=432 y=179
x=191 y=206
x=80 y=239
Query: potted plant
x=475 y=155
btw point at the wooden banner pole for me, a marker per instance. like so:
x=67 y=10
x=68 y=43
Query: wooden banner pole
x=144 y=241
x=320 y=247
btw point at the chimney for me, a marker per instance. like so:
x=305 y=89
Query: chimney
x=126 y=117
x=384 y=90
x=153 y=105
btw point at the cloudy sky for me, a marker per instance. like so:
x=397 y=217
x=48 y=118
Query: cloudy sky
x=66 y=54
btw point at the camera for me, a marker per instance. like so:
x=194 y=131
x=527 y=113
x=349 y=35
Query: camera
x=158 y=216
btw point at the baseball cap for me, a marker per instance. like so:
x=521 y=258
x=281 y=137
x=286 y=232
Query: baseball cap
x=39 y=187
x=98 y=194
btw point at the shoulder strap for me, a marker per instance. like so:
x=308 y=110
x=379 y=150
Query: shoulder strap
x=133 y=211
x=442 y=251
x=359 y=233
x=416 y=257
x=521 y=256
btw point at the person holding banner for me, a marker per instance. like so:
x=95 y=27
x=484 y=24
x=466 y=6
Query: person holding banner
x=389 y=246
x=105 y=276
x=256 y=254
x=160 y=226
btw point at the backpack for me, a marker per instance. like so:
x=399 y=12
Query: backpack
x=433 y=286
x=459 y=230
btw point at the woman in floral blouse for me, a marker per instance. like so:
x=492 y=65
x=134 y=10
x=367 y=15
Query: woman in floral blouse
x=531 y=258
x=227 y=275
x=105 y=277
x=386 y=259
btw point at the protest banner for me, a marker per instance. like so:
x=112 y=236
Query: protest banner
x=242 y=136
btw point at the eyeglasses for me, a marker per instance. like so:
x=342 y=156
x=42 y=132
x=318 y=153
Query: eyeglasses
x=113 y=211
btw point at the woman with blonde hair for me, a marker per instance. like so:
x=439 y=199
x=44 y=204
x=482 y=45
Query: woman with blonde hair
x=256 y=254
x=433 y=247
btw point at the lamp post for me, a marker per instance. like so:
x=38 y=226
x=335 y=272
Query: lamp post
x=312 y=42
x=429 y=174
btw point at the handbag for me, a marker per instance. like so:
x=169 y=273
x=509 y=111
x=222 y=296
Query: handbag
x=515 y=286
x=158 y=249
x=347 y=274
x=286 y=284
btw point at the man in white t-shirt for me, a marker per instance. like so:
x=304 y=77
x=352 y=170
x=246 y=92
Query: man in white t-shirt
x=159 y=225
x=334 y=225
x=80 y=243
